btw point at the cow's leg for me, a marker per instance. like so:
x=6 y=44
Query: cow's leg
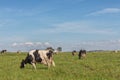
x=48 y=62
x=34 y=66
x=79 y=56
x=43 y=62
x=53 y=63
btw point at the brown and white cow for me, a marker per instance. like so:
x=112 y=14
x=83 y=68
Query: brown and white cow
x=74 y=52
x=39 y=56
x=82 y=54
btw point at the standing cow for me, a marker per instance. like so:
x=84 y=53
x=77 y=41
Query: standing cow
x=82 y=53
x=74 y=52
x=38 y=56
x=3 y=51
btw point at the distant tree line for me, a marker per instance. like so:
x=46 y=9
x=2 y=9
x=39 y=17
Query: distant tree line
x=59 y=49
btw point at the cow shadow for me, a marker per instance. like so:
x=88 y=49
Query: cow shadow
x=38 y=68
x=45 y=68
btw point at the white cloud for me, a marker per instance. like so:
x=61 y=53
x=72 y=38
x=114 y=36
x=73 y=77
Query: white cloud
x=18 y=12
x=84 y=27
x=14 y=44
x=47 y=44
x=32 y=44
x=88 y=45
x=88 y=27
x=5 y=22
x=38 y=43
x=106 y=11
x=93 y=45
x=29 y=43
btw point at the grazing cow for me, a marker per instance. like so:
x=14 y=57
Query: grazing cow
x=74 y=52
x=82 y=53
x=39 y=56
x=18 y=51
x=3 y=51
x=116 y=51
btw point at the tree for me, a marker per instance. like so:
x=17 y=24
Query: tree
x=59 y=49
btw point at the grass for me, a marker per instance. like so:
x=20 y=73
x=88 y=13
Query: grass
x=96 y=66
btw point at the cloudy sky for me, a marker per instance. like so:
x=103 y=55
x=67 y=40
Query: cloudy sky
x=70 y=24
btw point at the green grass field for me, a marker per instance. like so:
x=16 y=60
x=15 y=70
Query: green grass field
x=96 y=66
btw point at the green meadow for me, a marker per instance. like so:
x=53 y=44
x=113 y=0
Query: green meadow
x=96 y=66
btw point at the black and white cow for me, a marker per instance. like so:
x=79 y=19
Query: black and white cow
x=3 y=51
x=39 y=56
x=82 y=53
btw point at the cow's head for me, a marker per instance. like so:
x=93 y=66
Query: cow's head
x=51 y=51
x=49 y=54
x=22 y=65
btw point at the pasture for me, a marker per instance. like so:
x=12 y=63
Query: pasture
x=96 y=66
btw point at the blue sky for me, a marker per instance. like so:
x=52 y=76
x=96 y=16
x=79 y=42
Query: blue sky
x=70 y=24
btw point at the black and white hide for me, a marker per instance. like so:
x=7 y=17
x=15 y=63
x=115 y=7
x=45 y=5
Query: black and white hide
x=82 y=54
x=3 y=51
x=38 y=56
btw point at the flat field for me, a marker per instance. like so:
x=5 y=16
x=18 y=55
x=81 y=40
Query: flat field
x=96 y=66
